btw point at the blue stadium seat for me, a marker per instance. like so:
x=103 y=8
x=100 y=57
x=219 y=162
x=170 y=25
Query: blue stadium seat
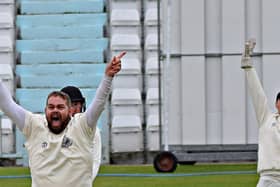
x=95 y=31
x=58 y=20
x=56 y=6
x=62 y=44
x=62 y=50
x=57 y=69
x=50 y=81
x=58 y=75
x=86 y=56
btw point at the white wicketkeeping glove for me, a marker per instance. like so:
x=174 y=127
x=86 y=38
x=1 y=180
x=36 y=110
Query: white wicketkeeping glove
x=246 y=61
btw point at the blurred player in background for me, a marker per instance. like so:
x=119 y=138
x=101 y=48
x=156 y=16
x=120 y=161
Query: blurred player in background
x=78 y=105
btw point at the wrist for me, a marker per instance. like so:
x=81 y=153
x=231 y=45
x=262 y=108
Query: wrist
x=108 y=77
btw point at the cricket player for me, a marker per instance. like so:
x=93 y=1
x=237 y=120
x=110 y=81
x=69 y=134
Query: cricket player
x=60 y=146
x=268 y=122
x=78 y=105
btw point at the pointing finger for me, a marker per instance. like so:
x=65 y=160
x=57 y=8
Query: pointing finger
x=121 y=54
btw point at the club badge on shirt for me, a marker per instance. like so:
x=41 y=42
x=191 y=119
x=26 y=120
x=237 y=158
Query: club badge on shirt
x=66 y=142
x=44 y=145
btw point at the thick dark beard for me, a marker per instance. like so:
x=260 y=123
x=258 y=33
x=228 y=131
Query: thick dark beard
x=63 y=126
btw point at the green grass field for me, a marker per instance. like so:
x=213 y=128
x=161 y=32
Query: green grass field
x=211 y=180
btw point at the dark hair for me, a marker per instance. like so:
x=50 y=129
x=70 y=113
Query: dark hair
x=278 y=96
x=75 y=95
x=60 y=94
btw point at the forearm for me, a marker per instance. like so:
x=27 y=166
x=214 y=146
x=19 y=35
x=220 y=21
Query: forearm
x=97 y=105
x=258 y=95
x=15 y=112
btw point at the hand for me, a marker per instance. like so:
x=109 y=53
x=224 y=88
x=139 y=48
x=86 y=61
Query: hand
x=246 y=57
x=115 y=65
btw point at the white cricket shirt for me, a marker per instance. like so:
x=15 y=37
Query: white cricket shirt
x=269 y=126
x=59 y=160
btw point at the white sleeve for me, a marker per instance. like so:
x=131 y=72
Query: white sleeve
x=258 y=96
x=97 y=150
x=14 y=111
x=97 y=105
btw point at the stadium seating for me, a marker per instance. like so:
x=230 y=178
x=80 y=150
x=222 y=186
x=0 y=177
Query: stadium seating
x=56 y=21
x=7 y=32
x=7 y=6
x=6 y=25
x=7 y=76
x=152 y=101
x=62 y=49
x=125 y=17
x=127 y=101
x=126 y=128
x=133 y=26
x=152 y=110
x=152 y=131
x=6 y=51
x=60 y=7
x=151 y=77
x=130 y=75
x=151 y=17
x=7 y=137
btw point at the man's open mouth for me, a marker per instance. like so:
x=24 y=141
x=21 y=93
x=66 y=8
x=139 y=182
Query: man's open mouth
x=56 y=121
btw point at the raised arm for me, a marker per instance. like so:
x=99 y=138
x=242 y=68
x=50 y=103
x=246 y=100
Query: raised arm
x=14 y=111
x=97 y=105
x=255 y=88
